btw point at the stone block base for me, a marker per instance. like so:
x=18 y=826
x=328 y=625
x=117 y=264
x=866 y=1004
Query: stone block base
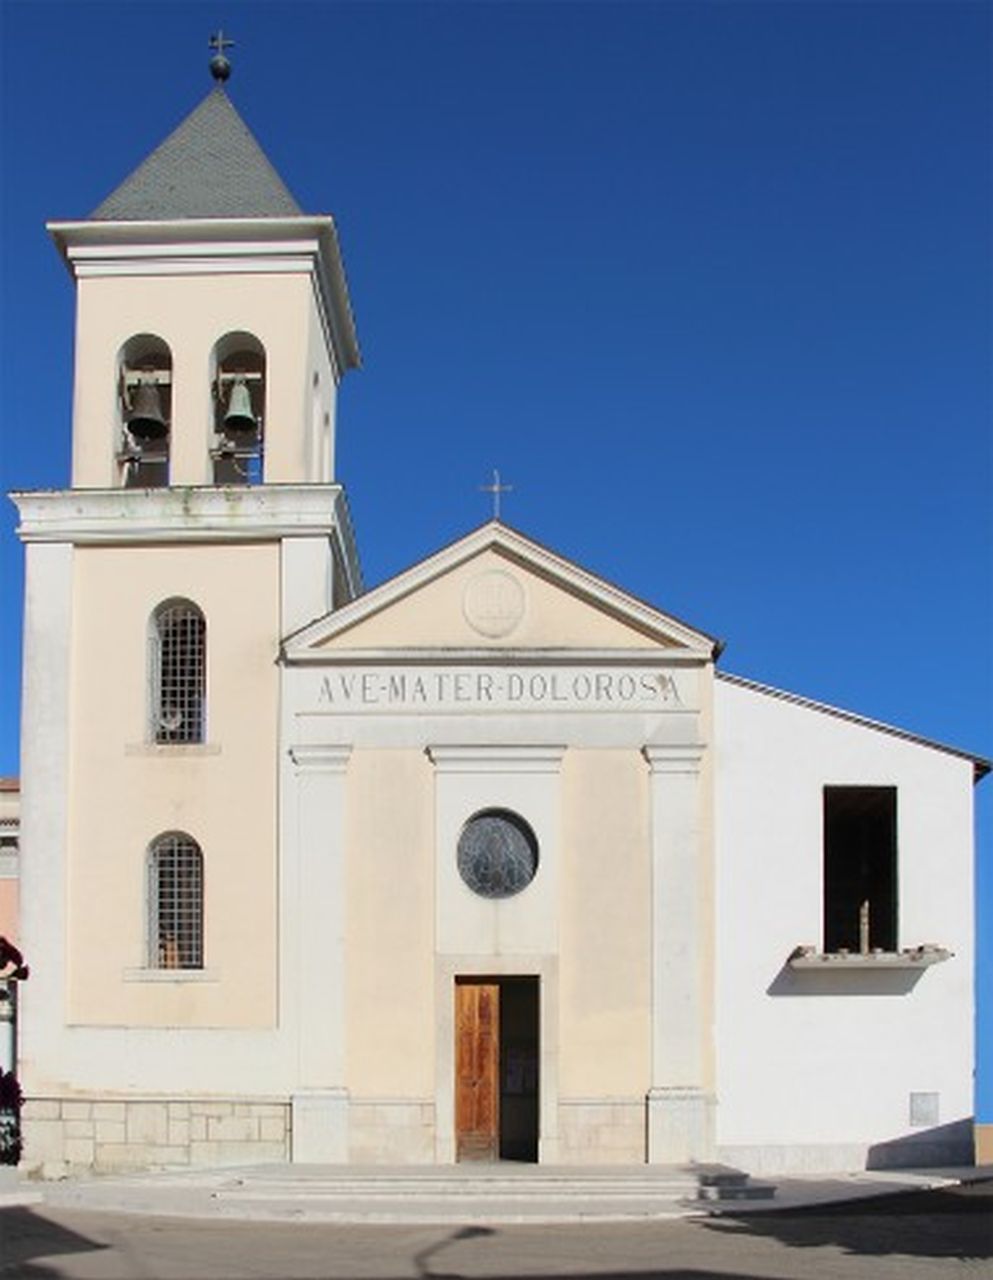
x=601 y=1131
x=391 y=1131
x=63 y=1135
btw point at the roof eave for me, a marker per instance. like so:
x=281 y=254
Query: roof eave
x=980 y=765
x=78 y=240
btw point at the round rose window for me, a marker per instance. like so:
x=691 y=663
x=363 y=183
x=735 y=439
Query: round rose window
x=497 y=854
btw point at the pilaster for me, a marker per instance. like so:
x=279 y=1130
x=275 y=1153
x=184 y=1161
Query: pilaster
x=44 y=807
x=680 y=1119
x=320 y=1103
x=305 y=581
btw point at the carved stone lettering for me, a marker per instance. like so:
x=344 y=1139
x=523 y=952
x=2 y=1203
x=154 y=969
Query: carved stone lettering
x=393 y=689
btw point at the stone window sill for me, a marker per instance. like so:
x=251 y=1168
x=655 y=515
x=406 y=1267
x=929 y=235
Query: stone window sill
x=873 y=961
x=172 y=749
x=171 y=975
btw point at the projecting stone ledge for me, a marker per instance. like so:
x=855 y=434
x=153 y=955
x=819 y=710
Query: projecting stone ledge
x=908 y=958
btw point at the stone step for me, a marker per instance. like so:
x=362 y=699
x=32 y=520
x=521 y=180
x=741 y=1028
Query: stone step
x=744 y=1191
x=459 y=1191
x=351 y=1192
x=461 y=1199
x=419 y=1194
x=722 y=1183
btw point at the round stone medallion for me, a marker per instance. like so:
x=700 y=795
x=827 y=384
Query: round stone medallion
x=493 y=603
x=497 y=854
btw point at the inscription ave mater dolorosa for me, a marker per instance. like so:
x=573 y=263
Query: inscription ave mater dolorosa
x=397 y=689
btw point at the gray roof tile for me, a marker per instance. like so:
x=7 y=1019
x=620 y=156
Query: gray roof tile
x=210 y=166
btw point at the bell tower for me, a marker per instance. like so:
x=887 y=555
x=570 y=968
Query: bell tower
x=213 y=322
x=202 y=525
x=213 y=328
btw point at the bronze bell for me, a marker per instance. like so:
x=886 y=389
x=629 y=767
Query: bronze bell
x=239 y=419
x=146 y=421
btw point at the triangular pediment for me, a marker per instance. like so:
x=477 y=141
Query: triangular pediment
x=495 y=589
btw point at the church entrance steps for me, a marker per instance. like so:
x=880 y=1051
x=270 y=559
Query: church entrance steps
x=721 y=1183
x=466 y=1193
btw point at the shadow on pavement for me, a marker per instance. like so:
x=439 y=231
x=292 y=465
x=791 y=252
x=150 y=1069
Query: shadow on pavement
x=955 y=1222
x=943 y=1144
x=25 y=1236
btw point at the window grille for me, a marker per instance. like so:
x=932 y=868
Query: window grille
x=179 y=661
x=175 y=891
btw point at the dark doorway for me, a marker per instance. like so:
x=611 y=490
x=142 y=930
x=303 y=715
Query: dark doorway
x=860 y=872
x=496 y=1068
x=519 y=1069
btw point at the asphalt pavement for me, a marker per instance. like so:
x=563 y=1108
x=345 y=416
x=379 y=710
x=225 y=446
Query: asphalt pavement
x=918 y=1235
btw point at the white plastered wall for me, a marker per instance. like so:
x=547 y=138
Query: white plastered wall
x=815 y=1071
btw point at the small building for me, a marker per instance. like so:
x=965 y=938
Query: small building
x=490 y=861
x=10 y=832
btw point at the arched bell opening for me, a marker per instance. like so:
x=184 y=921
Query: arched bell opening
x=238 y=376
x=144 y=402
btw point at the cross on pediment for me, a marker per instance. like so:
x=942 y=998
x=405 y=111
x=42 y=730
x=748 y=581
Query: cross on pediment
x=497 y=490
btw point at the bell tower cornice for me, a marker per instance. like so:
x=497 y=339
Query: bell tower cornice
x=221 y=246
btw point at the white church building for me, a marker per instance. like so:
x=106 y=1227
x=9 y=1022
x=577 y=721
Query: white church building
x=488 y=862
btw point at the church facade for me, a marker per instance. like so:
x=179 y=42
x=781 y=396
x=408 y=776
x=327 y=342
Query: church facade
x=488 y=862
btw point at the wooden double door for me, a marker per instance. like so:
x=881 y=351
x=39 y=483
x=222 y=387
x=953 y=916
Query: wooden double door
x=496 y=1069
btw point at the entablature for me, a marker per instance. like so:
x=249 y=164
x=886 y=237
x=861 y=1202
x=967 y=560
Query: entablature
x=215 y=246
x=189 y=514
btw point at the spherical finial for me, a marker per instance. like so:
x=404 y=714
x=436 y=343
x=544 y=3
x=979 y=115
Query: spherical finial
x=220 y=67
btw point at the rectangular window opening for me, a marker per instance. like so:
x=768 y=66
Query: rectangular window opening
x=860 y=872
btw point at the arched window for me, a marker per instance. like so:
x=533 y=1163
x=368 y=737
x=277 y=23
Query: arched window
x=238 y=371
x=175 y=902
x=144 y=373
x=178 y=672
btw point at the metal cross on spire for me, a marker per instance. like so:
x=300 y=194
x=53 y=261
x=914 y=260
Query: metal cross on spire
x=220 y=67
x=496 y=488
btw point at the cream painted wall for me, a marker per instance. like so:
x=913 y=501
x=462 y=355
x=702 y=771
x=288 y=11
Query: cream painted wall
x=434 y=616
x=317 y=458
x=190 y=313
x=390 y=925
x=605 y=931
x=124 y=792
x=9 y=908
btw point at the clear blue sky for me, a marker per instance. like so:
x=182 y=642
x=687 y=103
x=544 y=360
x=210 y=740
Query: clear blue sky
x=709 y=282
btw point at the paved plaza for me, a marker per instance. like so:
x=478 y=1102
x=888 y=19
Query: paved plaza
x=947 y=1232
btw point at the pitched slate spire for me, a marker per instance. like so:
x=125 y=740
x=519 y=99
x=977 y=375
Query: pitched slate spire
x=209 y=167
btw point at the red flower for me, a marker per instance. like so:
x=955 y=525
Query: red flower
x=9 y=955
